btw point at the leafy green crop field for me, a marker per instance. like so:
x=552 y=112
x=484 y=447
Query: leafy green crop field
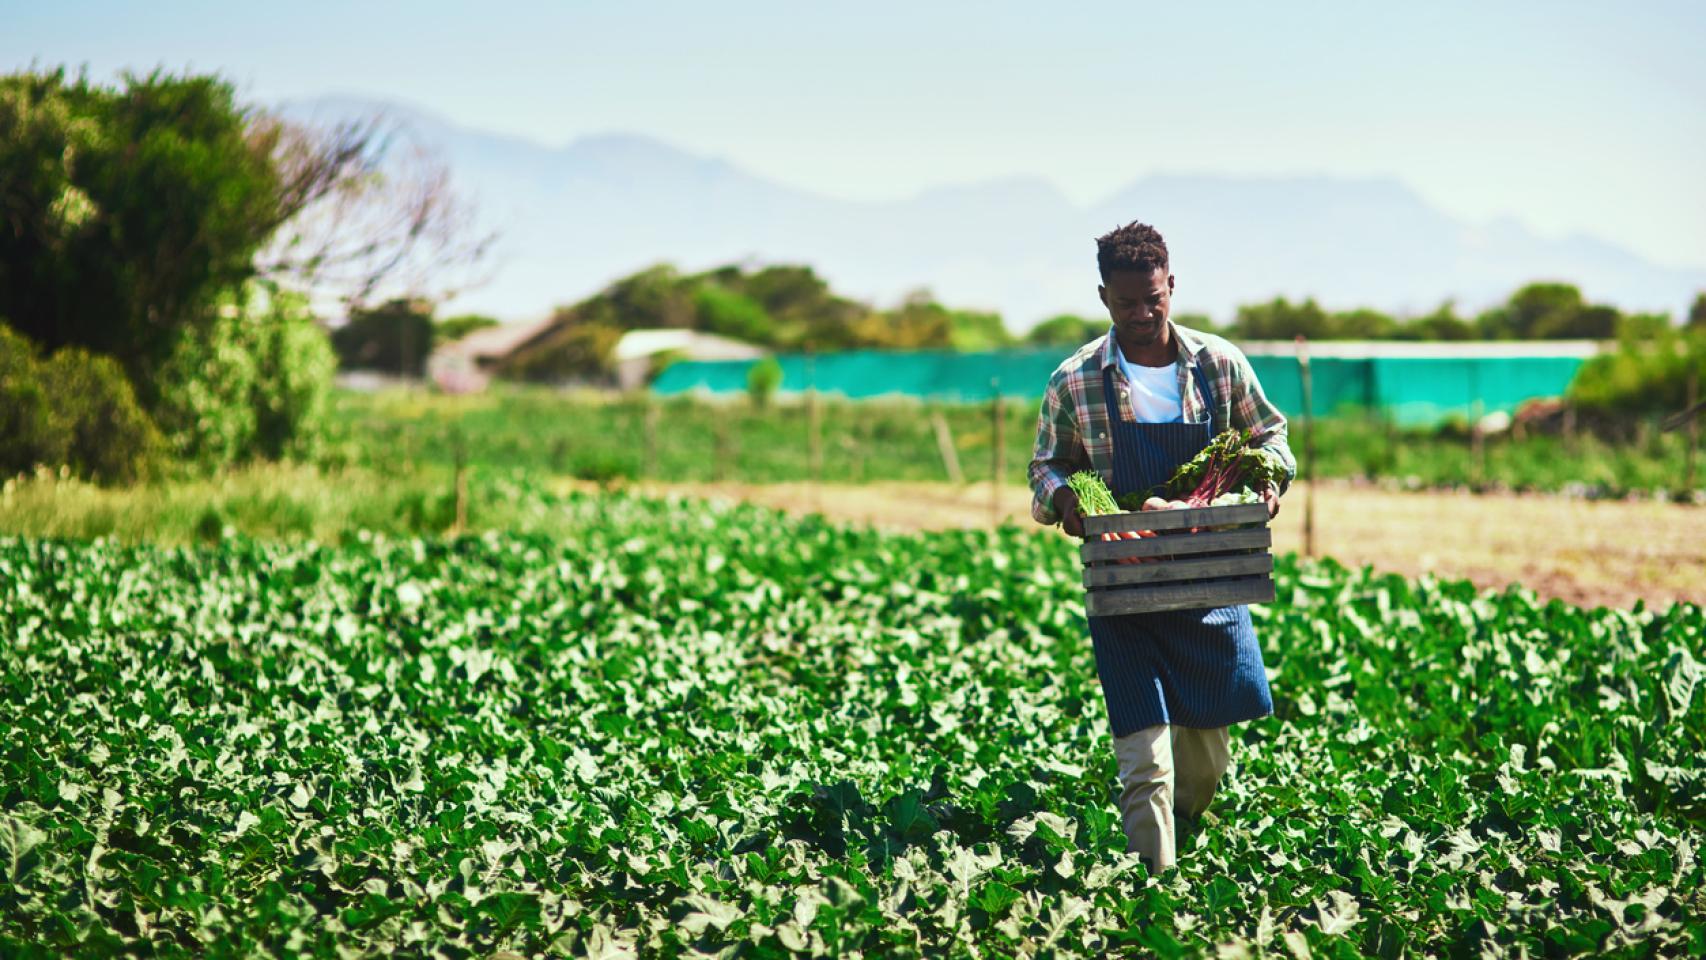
x=689 y=729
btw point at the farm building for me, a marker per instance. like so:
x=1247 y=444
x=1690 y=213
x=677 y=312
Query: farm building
x=468 y=364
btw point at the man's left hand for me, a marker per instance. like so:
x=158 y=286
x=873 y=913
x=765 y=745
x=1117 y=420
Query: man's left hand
x=1271 y=496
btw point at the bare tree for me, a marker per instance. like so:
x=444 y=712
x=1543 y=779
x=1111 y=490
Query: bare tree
x=364 y=215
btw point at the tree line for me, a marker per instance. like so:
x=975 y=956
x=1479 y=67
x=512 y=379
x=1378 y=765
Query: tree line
x=161 y=246
x=1537 y=311
x=789 y=308
x=169 y=256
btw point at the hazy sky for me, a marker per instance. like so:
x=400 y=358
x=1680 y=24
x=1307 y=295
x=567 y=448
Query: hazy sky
x=1570 y=117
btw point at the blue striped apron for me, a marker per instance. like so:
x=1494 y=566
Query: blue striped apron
x=1192 y=668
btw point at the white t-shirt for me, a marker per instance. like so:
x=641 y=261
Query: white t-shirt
x=1154 y=390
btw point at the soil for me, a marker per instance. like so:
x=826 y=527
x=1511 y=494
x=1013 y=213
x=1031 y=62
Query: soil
x=1588 y=553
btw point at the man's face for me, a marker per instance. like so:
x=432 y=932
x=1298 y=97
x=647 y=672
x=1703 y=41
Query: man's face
x=1138 y=303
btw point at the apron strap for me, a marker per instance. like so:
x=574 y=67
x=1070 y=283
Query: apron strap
x=1207 y=394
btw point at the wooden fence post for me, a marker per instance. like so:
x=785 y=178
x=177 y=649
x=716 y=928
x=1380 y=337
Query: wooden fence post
x=1477 y=443
x=1389 y=424
x=461 y=454
x=998 y=453
x=814 y=417
x=724 y=450
x=1306 y=470
x=650 y=467
x=1693 y=447
x=945 y=445
x=814 y=425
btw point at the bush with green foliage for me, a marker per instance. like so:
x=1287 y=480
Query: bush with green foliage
x=109 y=437
x=127 y=210
x=1280 y=319
x=1645 y=376
x=294 y=366
x=763 y=380
x=452 y=329
x=394 y=337
x=918 y=323
x=28 y=434
x=730 y=314
x=784 y=307
x=1538 y=311
x=1066 y=330
x=1442 y=324
x=75 y=410
x=255 y=384
x=203 y=395
x=974 y=330
x=1549 y=311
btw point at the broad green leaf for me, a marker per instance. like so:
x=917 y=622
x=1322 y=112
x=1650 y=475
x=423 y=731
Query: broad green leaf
x=1337 y=912
x=18 y=843
x=707 y=912
x=1683 y=675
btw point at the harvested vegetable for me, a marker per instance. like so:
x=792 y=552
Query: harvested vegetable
x=1094 y=497
x=1229 y=465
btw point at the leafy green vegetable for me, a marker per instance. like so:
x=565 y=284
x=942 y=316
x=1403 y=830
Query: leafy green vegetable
x=1227 y=464
x=701 y=729
x=1094 y=497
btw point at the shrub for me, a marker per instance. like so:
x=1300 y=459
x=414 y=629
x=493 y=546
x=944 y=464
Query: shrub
x=394 y=337
x=1646 y=375
x=204 y=392
x=292 y=389
x=128 y=207
x=28 y=434
x=763 y=380
x=730 y=314
x=451 y=329
x=75 y=409
x=605 y=469
x=254 y=384
x=109 y=437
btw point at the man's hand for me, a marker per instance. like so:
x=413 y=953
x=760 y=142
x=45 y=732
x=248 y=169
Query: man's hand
x=1271 y=496
x=1071 y=519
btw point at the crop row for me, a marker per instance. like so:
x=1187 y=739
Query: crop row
x=697 y=728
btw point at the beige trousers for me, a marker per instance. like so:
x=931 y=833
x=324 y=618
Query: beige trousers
x=1162 y=769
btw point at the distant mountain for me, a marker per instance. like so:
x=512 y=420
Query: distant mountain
x=575 y=218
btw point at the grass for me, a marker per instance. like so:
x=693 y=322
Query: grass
x=687 y=440
x=273 y=502
x=394 y=460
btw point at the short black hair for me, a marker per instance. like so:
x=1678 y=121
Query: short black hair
x=1135 y=246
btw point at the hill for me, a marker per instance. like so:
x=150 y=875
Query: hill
x=574 y=218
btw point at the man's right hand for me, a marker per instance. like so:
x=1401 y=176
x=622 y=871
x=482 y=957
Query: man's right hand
x=1071 y=518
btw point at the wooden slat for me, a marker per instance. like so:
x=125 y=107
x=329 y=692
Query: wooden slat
x=1178 y=596
x=1258 y=538
x=1239 y=513
x=1114 y=574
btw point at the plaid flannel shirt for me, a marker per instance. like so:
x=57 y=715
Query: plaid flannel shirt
x=1073 y=428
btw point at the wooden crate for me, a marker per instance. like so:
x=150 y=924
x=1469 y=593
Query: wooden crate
x=1232 y=564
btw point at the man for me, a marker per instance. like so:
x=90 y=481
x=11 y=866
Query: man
x=1133 y=405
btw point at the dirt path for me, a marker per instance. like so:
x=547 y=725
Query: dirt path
x=1584 y=552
